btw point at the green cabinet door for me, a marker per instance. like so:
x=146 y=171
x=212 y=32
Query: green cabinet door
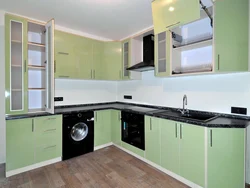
x=162 y=54
x=19 y=143
x=170 y=145
x=231 y=32
x=16 y=63
x=98 y=72
x=192 y=153
x=102 y=132
x=126 y=58
x=116 y=127
x=168 y=14
x=226 y=158
x=65 y=66
x=48 y=137
x=152 y=139
x=83 y=55
x=112 y=60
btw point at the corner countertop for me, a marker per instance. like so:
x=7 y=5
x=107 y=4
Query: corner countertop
x=222 y=121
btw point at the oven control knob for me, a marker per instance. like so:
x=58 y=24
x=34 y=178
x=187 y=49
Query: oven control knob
x=79 y=115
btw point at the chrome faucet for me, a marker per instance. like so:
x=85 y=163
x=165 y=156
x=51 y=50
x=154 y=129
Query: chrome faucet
x=184 y=103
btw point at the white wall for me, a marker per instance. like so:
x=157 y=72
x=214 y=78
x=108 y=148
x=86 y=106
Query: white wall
x=84 y=91
x=215 y=93
x=2 y=90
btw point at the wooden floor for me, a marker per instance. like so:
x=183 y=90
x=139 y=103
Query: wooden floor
x=108 y=167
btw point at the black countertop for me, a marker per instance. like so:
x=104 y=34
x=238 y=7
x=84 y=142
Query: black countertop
x=222 y=121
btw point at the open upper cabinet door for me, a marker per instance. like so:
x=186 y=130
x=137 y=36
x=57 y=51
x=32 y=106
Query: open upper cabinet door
x=49 y=107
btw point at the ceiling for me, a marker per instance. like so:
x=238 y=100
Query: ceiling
x=111 y=19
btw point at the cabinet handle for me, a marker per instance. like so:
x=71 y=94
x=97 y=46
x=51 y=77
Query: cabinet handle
x=33 y=125
x=50 y=147
x=96 y=116
x=91 y=73
x=94 y=73
x=51 y=118
x=218 y=61
x=118 y=115
x=176 y=130
x=25 y=66
x=63 y=53
x=211 y=138
x=120 y=74
x=55 y=66
x=50 y=130
x=150 y=124
x=63 y=76
x=173 y=24
x=181 y=131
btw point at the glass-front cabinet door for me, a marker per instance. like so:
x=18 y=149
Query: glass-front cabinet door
x=125 y=59
x=16 y=65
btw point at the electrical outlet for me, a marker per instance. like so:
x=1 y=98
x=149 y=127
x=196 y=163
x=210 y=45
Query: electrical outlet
x=127 y=97
x=238 y=110
x=58 y=99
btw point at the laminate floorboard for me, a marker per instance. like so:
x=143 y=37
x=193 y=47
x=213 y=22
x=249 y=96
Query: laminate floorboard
x=105 y=168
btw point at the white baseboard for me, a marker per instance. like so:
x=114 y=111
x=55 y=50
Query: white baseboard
x=32 y=167
x=177 y=177
x=103 y=146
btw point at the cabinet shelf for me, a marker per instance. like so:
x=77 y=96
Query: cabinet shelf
x=194 y=45
x=36 y=47
x=39 y=89
x=17 y=66
x=36 y=67
x=16 y=89
x=16 y=41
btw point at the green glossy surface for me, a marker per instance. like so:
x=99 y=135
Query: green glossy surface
x=168 y=52
x=152 y=139
x=226 y=158
x=231 y=32
x=133 y=149
x=102 y=132
x=65 y=66
x=170 y=145
x=19 y=144
x=112 y=60
x=183 y=13
x=116 y=127
x=192 y=153
x=8 y=19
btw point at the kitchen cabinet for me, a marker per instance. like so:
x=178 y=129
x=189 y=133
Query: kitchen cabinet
x=152 y=139
x=102 y=127
x=116 y=127
x=112 y=61
x=226 y=158
x=19 y=143
x=169 y=14
x=16 y=57
x=32 y=140
x=48 y=139
x=181 y=152
x=29 y=66
x=97 y=69
x=231 y=47
x=162 y=54
x=126 y=58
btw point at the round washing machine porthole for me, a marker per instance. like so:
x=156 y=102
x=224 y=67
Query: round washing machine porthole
x=79 y=131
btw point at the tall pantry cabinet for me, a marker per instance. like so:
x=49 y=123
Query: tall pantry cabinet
x=29 y=66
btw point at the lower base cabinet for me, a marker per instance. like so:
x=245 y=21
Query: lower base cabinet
x=226 y=158
x=183 y=150
x=32 y=140
x=116 y=127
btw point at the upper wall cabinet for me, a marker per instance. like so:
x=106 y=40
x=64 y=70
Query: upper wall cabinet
x=126 y=58
x=29 y=66
x=231 y=35
x=171 y=13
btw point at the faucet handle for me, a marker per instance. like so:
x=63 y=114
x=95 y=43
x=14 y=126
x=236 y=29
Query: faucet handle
x=181 y=111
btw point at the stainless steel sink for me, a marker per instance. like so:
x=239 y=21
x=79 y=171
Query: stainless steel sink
x=191 y=115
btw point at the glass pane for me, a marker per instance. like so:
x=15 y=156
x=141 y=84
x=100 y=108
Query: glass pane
x=49 y=76
x=17 y=68
x=126 y=59
x=162 y=50
x=162 y=66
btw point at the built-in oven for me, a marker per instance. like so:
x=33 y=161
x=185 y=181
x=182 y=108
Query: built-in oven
x=133 y=131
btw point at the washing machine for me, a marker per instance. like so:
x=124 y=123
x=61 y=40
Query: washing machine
x=78 y=134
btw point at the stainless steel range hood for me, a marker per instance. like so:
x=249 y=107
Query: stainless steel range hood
x=148 y=56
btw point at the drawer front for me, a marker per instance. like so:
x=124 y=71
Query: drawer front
x=48 y=130
x=47 y=152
